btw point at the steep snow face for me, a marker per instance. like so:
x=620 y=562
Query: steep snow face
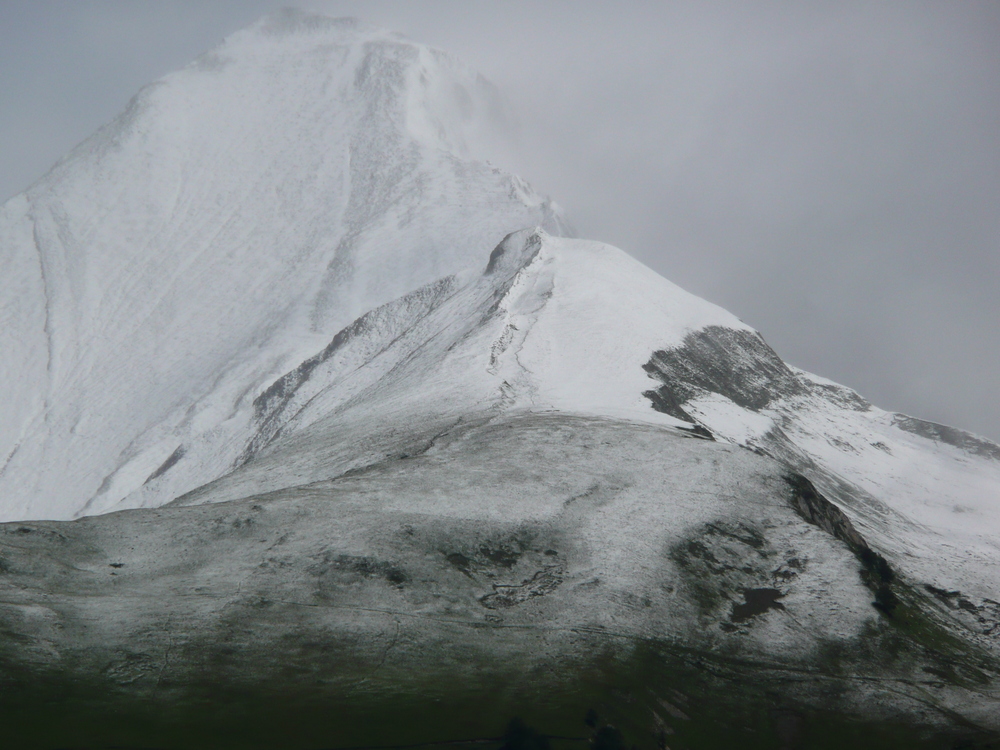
x=239 y=212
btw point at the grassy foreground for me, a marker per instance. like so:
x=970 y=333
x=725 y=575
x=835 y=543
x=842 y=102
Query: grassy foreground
x=653 y=697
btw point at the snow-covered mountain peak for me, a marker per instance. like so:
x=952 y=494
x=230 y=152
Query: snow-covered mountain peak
x=292 y=66
x=267 y=290
x=297 y=21
x=237 y=215
x=429 y=93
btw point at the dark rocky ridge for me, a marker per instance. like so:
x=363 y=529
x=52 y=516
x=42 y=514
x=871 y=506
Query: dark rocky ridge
x=171 y=461
x=736 y=364
x=817 y=510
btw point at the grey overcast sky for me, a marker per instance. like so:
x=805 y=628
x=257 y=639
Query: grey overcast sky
x=828 y=171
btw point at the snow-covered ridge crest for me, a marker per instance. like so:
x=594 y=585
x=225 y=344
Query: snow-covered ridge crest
x=550 y=325
x=570 y=326
x=221 y=230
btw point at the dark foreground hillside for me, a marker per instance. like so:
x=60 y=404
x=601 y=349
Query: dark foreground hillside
x=648 y=589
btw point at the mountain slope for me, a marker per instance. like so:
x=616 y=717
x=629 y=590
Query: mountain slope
x=238 y=212
x=568 y=326
x=533 y=564
x=367 y=473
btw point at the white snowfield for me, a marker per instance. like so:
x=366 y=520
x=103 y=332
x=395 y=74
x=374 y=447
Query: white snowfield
x=531 y=333
x=177 y=298
x=238 y=213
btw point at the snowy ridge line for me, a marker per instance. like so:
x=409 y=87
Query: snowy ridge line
x=911 y=491
x=964 y=441
x=284 y=399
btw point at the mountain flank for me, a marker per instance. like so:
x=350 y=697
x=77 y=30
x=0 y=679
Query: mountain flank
x=319 y=431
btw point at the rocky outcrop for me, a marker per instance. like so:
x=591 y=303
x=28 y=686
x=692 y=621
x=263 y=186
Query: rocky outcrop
x=737 y=364
x=817 y=510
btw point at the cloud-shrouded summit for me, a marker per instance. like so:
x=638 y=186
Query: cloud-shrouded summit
x=239 y=212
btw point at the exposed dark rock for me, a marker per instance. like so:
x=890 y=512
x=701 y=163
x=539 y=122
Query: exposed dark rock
x=509 y=595
x=943 y=594
x=984 y=617
x=501 y=555
x=367 y=567
x=876 y=572
x=698 y=431
x=459 y=560
x=756 y=602
x=528 y=249
x=174 y=457
x=665 y=401
x=516 y=251
x=817 y=510
x=495 y=256
x=736 y=364
x=841 y=396
x=495 y=555
x=724 y=561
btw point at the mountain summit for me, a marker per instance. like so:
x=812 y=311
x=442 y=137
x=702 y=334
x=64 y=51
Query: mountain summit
x=239 y=212
x=399 y=463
